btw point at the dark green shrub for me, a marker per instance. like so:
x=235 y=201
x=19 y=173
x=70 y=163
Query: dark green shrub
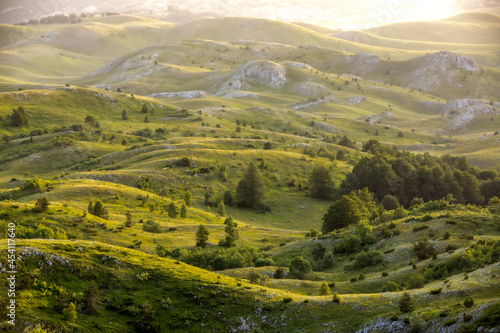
x=151 y=226
x=370 y=258
x=279 y=273
x=391 y=286
x=261 y=262
x=419 y=228
x=300 y=267
x=348 y=244
x=469 y=302
x=426 y=217
x=423 y=249
x=435 y=291
x=450 y=322
x=41 y=205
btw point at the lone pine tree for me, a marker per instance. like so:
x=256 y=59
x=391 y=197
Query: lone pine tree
x=202 y=236
x=250 y=189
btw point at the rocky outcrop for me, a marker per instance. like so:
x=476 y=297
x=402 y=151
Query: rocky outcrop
x=437 y=71
x=356 y=99
x=295 y=64
x=459 y=113
x=256 y=72
x=182 y=94
x=443 y=61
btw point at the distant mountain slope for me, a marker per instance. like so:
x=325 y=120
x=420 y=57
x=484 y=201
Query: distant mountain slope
x=469 y=28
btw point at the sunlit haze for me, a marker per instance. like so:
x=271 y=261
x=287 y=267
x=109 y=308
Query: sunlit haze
x=347 y=14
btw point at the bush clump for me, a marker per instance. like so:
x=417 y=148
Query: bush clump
x=370 y=258
x=151 y=226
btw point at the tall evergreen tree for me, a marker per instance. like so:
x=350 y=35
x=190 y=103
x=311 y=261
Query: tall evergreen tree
x=90 y=207
x=188 y=198
x=183 y=210
x=202 y=236
x=172 y=210
x=124 y=115
x=231 y=232
x=221 y=208
x=250 y=189
x=100 y=210
x=320 y=183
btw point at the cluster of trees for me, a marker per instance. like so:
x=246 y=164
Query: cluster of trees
x=407 y=176
x=98 y=209
x=62 y=19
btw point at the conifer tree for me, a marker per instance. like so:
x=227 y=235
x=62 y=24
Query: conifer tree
x=100 y=210
x=183 y=210
x=221 y=209
x=250 y=189
x=231 y=232
x=324 y=289
x=90 y=207
x=172 y=210
x=129 y=222
x=124 y=115
x=202 y=236
x=188 y=198
x=405 y=303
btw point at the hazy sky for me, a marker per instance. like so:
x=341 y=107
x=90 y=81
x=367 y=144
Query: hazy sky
x=347 y=14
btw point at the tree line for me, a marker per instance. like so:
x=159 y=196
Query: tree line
x=407 y=176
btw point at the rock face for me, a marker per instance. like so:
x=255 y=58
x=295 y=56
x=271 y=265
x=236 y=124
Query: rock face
x=256 y=72
x=443 y=61
x=461 y=112
x=438 y=70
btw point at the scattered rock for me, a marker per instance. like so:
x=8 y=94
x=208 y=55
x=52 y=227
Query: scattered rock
x=356 y=99
x=310 y=89
x=295 y=64
x=181 y=94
